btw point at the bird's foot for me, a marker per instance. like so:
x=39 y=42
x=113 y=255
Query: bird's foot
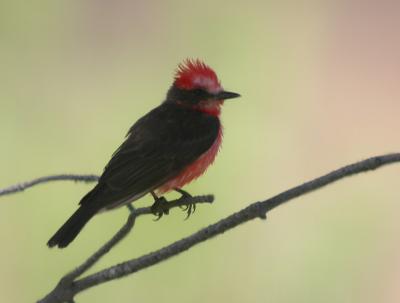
x=189 y=208
x=160 y=207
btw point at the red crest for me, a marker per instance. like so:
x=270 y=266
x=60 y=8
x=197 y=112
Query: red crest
x=193 y=74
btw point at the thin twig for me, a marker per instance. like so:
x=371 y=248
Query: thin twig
x=254 y=210
x=63 y=177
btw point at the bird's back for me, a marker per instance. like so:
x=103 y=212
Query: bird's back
x=159 y=147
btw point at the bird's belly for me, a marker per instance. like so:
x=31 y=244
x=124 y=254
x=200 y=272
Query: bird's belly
x=194 y=170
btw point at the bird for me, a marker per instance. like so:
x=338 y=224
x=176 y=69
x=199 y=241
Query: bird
x=164 y=150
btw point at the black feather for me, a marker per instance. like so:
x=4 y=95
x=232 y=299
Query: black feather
x=157 y=148
x=68 y=232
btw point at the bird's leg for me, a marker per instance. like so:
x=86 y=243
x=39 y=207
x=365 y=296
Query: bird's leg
x=190 y=208
x=160 y=206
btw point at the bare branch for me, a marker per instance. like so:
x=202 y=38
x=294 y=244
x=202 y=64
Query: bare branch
x=63 y=177
x=257 y=209
x=125 y=229
x=64 y=293
x=66 y=283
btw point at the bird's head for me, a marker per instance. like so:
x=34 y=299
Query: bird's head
x=197 y=86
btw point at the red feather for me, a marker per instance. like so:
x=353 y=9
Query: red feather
x=194 y=170
x=196 y=74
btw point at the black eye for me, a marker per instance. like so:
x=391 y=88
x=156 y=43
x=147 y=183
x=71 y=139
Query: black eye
x=200 y=94
x=191 y=96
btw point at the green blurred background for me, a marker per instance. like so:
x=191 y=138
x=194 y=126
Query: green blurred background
x=320 y=87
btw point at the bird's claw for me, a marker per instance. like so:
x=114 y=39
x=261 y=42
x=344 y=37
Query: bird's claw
x=160 y=207
x=189 y=208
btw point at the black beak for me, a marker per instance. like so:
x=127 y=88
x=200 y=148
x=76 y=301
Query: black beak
x=226 y=95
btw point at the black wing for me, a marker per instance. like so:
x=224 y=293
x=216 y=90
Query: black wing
x=158 y=146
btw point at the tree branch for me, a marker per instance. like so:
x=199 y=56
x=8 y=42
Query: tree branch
x=125 y=229
x=63 y=177
x=66 y=283
x=67 y=291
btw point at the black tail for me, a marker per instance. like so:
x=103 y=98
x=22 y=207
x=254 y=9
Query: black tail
x=68 y=232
